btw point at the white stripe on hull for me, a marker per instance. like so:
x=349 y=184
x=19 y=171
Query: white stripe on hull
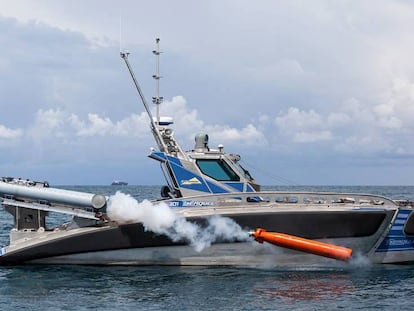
x=231 y=254
x=394 y=257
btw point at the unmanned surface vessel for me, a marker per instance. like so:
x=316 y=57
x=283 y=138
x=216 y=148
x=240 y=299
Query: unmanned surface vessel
x=204 y=183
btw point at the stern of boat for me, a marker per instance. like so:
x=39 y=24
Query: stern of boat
x=397 y=246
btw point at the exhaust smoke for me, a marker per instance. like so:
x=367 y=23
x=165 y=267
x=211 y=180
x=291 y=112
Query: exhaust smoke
x=161 y=219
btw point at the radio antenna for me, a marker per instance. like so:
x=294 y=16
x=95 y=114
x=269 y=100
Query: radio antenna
x=157 y=100
x=120 y=31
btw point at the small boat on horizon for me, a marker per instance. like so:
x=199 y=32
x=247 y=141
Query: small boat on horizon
x=119 y=183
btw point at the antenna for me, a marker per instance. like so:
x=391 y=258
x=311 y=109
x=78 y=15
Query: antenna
x=154 y=127
x=157 y=100
x=162 y=135
x=120 y=31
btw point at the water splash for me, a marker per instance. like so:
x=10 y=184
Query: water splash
x=159 y=218
x=360 y=260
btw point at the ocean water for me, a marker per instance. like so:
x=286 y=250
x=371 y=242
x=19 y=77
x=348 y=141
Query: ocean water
x=340 y=286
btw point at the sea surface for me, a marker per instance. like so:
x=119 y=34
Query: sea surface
x=340 y=286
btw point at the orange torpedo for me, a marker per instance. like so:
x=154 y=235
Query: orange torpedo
x=303 y=245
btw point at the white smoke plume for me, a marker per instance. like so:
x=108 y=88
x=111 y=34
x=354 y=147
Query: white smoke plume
x=159 y=218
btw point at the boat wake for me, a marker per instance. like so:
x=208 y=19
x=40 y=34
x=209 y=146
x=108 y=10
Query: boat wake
x=161 y=219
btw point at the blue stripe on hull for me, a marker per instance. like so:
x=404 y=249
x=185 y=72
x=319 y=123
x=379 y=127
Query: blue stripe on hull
x=397 y=240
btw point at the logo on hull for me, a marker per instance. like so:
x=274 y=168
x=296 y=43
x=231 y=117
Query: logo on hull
x=192 y=181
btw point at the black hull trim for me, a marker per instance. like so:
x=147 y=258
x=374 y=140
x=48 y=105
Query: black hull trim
x=317 y=225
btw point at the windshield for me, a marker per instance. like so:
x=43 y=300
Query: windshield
x=217 y=169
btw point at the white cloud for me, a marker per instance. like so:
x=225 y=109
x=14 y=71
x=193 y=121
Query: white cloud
x=47 y=123
x=187 y=123
x=342 y=75
x=362 y=145
x=302 y=126
x=56 y=124
x=247 y=136
x=131 y=126
x=355 y=129
x=396 y=109
x=299 y=119
x=97 y=126
x=8 y=133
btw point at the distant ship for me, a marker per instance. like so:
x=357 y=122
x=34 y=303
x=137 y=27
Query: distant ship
x=119 y=183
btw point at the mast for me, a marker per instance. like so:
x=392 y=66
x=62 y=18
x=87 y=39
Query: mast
x=157 y=100
x=162 y=133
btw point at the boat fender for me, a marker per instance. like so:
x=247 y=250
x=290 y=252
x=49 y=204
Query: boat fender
x=165 y=192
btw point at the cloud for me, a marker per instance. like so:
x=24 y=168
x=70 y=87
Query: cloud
x=47 y=123
x=355 y=129
x=132 y=126
x=302 y=126
x=249 y=135
x=187 y=123
x=57 y=127
x=58 y=123
x=186 y=120
x=322 y=80
x=7 y=133
x=396 y=110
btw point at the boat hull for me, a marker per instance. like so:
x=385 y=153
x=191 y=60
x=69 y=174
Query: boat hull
x=249 y=254
x=131 y=244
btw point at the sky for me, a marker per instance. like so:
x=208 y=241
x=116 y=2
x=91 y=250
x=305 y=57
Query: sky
x=307 y=92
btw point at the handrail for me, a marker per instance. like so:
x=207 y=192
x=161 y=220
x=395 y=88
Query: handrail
x=287 y=197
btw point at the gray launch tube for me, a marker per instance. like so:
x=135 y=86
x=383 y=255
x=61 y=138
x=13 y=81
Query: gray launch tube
x=67 y=197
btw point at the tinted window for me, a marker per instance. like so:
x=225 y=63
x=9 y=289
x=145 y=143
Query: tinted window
x=217 y=169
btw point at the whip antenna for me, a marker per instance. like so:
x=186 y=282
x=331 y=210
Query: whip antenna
x=120 y=30
x=157 y=100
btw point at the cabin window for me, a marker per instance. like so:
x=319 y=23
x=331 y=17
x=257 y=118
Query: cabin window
x=217 y=169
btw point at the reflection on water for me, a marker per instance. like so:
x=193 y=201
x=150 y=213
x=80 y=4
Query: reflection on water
x=205 y=288
x=302 y=285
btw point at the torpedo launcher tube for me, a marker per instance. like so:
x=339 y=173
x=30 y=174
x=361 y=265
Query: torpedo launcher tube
x=52 y=195
x=303 y=245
